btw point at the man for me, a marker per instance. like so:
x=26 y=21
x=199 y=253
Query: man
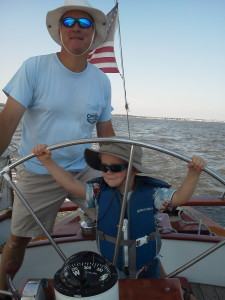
x=61 y=97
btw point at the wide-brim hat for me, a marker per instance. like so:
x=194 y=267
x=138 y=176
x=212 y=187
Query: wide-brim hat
x=120 y=150
x=54 y=16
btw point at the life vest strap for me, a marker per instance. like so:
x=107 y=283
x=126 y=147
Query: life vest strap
x=132 y=244
x=138 y=242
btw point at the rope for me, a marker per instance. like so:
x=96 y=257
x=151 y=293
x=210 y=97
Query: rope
x=122 y=75
x=166 y=230
x=197 y=222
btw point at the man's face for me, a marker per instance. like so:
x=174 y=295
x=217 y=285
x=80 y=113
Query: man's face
x=75 y=38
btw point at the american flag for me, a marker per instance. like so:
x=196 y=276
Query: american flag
x=103 y=57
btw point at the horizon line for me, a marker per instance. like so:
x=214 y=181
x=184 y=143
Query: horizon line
x=172 y=118
x=163 y=118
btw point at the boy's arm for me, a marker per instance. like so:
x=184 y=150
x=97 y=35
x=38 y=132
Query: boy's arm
x=63 y=177
x=186 y=189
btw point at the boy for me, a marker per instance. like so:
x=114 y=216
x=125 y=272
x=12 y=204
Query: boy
x=146 y=196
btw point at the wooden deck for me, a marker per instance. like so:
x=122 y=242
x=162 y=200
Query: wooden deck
x=208 y=292
x=134 y=292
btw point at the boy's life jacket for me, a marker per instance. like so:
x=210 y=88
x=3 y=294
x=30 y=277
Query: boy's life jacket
x=139 y=223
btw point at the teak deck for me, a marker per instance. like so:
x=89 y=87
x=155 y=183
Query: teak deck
x=152 y=289
x=208 y=292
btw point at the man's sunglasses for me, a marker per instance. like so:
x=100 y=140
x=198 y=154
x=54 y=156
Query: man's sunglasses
x=113 y=168
x=82 y=22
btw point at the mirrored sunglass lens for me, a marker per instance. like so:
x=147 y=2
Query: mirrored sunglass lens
x=68 y=22
x=84 y=23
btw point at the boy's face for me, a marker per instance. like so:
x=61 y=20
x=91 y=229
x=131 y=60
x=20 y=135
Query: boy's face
x=115 y=179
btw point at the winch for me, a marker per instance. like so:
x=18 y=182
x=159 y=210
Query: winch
x=86 y=275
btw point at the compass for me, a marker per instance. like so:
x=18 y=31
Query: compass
x=86 y=274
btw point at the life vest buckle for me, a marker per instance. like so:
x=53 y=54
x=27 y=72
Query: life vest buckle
x=141 y=241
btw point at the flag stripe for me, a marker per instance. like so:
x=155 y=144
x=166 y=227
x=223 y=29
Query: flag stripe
x=109 y=70
x=106 y=54
x=103 y=60
x=102 y=49
x=102 y=64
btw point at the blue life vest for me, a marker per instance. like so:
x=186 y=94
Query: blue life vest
x=140 y=214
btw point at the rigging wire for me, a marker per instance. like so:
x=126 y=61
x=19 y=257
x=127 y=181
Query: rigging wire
x=122 y=67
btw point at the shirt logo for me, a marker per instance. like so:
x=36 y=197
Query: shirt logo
x=92 y=118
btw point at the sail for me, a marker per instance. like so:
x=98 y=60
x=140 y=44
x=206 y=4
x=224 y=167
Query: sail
x=103 y=57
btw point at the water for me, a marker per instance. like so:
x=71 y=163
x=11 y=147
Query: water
x=206 y=139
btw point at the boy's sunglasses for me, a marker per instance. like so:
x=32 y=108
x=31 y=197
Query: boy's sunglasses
x=82 y=22
x=113 y=168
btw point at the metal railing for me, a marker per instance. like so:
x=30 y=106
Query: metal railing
x=207 y=170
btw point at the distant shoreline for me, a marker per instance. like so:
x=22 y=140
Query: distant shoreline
x=169 y=118
x=158 y=118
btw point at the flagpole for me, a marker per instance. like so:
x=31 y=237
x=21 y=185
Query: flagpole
x=122 y=75
x=103 y=57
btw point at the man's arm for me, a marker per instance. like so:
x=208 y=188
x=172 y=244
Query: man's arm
x=10 y=117
x=105 y=129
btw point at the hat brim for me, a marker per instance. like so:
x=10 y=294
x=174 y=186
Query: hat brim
x=92 y=158
x=53 y=22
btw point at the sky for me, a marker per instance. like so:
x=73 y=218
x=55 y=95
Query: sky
x=173 y=53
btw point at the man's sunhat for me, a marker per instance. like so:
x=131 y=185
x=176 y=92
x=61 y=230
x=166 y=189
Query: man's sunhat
x=120 y=150
x=54 y=16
